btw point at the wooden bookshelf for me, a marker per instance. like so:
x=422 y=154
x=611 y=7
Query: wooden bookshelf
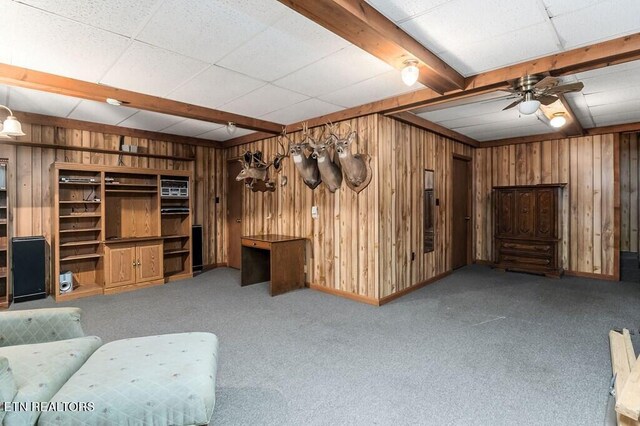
x=109 y=232
x=6 y=291
x=176 y=231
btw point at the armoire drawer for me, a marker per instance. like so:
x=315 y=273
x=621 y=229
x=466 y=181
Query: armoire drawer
x=544 y=262
x=525 y=248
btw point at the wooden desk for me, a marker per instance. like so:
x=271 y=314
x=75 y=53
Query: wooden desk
x=276 y=258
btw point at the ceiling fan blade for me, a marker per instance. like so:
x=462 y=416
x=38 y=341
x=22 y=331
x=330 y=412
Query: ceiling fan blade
x=512 y=104
x=546 y=99
x=546 y=83
x=565 y=88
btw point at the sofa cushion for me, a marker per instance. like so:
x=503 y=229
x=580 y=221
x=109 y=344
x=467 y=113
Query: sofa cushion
x=39 y=326
x=155 y=380
x=41 y=369
x=8 y=388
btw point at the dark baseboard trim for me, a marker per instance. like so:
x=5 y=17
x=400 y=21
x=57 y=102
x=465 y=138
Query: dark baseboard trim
x=345 y=294
x=414 y=287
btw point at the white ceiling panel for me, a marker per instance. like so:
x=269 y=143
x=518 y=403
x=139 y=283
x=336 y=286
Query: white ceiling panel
x=376 y=88
x=209 y=30
x=101 y=112
x=599 y=72
x=470 y=109
x=600 y=21
x=580 y=109
x=151 y=70
x=28 y=100
x=608 y=97
x=301 y=111
x=190 y=127
x=399 y=10
x=120 y=16
x=559 y=7
x=487 y=135
x=46 y=42
x=221 y=134
x=614 y=108
x=290 y=44
x=623 y=116
x=4 y=90
x=266 y=99
x=147 y=120
x=460 y=22
x=343 y=68
x=493 y=118
x=505 y=49
x=214 y=87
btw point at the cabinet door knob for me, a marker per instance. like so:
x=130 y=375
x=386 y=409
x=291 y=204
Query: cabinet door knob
x=134 y=263
x=138 y=262
x=238 y=220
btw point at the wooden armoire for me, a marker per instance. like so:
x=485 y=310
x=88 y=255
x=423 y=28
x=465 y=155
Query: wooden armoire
x=528 y=228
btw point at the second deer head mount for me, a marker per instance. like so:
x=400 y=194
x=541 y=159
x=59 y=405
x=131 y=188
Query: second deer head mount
x=255 y=170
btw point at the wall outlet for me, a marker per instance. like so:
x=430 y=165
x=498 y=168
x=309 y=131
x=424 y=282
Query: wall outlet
x=314 y=212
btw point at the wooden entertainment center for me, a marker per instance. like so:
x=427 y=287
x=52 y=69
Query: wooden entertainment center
x=118 y=229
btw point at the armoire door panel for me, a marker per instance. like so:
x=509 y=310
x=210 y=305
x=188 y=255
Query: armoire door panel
x=525 y=213
x=545 y=215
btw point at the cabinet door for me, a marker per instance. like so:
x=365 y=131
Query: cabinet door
x=120 y=266
x=505 y=208
x=546 y=213
x=525 y=213
x=149 y=261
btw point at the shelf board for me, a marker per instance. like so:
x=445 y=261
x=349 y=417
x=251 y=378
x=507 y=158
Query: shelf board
x=3 y=221
x=76 y=216
x=175 y=252
x=80 y=257
x=175 y=213
x=131 y=191
x=68 y=231
x=144 y=185
x=78 y=202
x=81 y=290
x=3 y=248
x=81 y=183
x=174 y=237
x=80 y=243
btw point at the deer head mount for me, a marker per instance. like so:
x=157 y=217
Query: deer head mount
x=356 y=167
x=307 y=165
x=255 y=170
x=328 y=165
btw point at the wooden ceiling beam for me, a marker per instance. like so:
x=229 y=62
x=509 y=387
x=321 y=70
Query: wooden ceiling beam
x=31 y=79
x=573 y=126
x=359 y=23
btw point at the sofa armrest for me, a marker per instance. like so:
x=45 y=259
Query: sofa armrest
x=8 y=388
x=39 y=326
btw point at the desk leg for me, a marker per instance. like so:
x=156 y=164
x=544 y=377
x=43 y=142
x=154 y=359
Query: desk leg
x=287 y=266
x=255 y=267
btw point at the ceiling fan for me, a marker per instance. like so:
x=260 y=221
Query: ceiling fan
x=533 y=90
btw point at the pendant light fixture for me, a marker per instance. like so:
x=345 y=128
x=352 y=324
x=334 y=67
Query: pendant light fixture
x=11 y=126
x=231 y=128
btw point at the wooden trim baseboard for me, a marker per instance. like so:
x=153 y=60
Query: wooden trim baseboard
x=414 y=287
x=213 y=266
x=345 y=294
x=483 y=262
x=591 y=275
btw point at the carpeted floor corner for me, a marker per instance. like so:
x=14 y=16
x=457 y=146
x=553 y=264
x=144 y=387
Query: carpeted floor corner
x=480 y=347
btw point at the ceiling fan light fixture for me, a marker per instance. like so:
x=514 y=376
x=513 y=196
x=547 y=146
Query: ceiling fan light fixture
x=231 y=128
x=529 y=105
x=410 y=72
x=558 y=120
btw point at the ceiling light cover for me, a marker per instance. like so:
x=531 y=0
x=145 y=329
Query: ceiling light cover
x=558 y=120
x=231 y=128
x=115 y=102
x=410 y=72
x=12 y=127
x=529 y=107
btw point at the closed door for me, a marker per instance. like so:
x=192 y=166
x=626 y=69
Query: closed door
x=149 y=262
x=235 y=189
x=460 y=246
x=121 y=264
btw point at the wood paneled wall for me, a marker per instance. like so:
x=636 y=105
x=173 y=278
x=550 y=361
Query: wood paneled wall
x=405 y=151
x=30 y=186
x=629 y=184
x=590 y=201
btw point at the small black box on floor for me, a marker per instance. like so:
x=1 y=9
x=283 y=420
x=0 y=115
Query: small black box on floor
x=196 y=254
x=28 y=268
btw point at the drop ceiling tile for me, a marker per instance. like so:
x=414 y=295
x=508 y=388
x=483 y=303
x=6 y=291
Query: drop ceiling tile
x=483 y=135
x=601 y=21
x=498 y=116
x=376 y=88
x=630 y=116
x=214 y=87
x=343 y=68
x=502 y=50
x=221 y=134
x=518 y=122
x=613 y=96
x=580 y=108
x=559 y=7
x=101 y=112
x=614 y=108
x=398 y=10
x=461 y=22
x=28 y=100
x=301 y=111
x=290 y=44
x=601 y=72
x=468 y=110
x=209 y=30
x=151 y=70
x=612 y=81
x=119 y=16
x=147 y=120
x=190 y=127
x=5 y=33
x=49 y=43
x=266 y=99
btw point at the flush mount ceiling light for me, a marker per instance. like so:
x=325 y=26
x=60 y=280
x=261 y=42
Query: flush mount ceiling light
x=558 y=120
x=231 y=128
x=529 y=105
x=410 y=72
x=11 y=126
x=115 y=102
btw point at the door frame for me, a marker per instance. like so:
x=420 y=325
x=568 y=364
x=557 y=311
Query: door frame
x=469 y=161
x=226 y=202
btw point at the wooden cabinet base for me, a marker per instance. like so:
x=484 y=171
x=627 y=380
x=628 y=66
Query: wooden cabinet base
x=125 y=288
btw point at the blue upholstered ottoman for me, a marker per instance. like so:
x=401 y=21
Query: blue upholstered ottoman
x=156 y=380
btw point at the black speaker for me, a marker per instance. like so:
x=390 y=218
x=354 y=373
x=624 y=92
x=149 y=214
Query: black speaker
x=28 y=268
x=196 y=247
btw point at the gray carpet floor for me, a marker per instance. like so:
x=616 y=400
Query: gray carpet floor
x=479 y=347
